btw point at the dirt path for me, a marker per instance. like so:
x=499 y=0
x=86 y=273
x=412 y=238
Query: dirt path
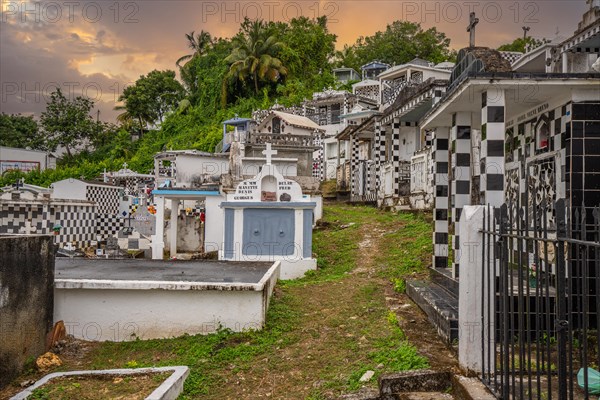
x=413 y=321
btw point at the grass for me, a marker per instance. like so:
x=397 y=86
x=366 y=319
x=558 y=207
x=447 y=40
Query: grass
x=322 y=332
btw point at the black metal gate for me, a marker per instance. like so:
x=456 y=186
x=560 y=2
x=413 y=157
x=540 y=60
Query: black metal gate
x=540 y=303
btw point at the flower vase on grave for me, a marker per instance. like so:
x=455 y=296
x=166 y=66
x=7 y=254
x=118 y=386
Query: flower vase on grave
x=533 y=276
x=533 y=282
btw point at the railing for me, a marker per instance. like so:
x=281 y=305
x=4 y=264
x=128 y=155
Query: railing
x=219 y=147
x=467 y=63
x=540 y=320
x=393 y=89
x=364 y=177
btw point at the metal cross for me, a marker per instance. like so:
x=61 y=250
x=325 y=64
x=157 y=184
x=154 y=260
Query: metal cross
x=269 y=153
x=525 y=30
x=473 y=21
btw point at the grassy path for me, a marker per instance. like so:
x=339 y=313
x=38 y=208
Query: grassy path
x=323 y=331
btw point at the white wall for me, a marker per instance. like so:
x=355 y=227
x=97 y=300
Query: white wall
x=114 y=310
x=213 y=227
x=193 y=166
x=114 y=314
x=72 y=189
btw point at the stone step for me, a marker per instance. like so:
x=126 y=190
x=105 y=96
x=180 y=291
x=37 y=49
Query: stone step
x=424 y=396
x=439 y=304
x=443 y=277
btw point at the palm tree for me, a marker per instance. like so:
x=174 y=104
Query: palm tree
x=199 y=44
x=254 y=55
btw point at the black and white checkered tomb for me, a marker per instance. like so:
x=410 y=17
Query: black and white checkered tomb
x=460 y=187
x=493 y=133
x=441 y=206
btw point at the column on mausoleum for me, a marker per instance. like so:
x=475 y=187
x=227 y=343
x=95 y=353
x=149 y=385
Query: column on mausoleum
x=379 y=152
x=493 y=132
x=354 y=181
x=396 y=155
x=441 y=204
x=460 y=188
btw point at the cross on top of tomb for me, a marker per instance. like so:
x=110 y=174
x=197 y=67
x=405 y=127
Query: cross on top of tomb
x=125 y=165
x=473 y=21
x=269 y=153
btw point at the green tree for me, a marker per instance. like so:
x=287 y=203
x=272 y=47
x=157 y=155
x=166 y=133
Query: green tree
x=203 y=75
x=520 y=44
x=255 y=55
x=309 y=47
x=199 y=45
x=66 y=122
x=19 y=131
x=401 y=42
x=151 y=97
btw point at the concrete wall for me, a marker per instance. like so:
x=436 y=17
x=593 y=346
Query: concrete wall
x=189 y=234
x=124 y=310
x=191 y=169
x=26 y=300
x=213 y=228
x=72 y=189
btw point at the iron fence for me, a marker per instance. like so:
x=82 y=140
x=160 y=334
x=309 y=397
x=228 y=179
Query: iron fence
x=540 y=301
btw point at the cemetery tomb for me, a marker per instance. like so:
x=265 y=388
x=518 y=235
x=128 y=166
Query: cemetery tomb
x=268 y=219
x=120 y=300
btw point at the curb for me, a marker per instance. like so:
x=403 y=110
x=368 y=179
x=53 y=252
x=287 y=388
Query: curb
x=168 y=390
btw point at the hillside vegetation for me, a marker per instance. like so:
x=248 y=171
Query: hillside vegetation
x=219 y=78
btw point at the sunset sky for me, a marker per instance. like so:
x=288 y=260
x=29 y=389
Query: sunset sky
x=96 y=47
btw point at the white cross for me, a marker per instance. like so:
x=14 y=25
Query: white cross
x=269 y=153
x=125 y=165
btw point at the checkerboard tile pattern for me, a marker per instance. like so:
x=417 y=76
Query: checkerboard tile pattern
x=493 y=133
x=78 y=224
x=109 y=224
x=379 y=151
x=105 y=197
x=460 y=188
x=441 y=205
x=354 y=182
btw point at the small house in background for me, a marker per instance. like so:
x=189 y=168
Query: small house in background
x=373 y=69
x=25 y=160
x=345 y=75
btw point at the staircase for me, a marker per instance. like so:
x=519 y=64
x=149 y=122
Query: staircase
x=438 y=298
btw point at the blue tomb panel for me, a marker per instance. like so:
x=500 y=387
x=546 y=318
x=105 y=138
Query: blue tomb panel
x=268 y=232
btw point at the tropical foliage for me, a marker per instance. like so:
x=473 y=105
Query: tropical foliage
x=254 y=55
x=264 y=62
x=401 y=42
